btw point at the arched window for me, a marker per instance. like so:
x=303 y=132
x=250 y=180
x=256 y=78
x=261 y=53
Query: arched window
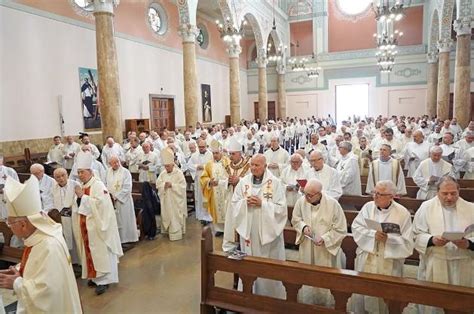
x=157 y=18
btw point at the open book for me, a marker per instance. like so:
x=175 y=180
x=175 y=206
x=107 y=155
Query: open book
x=457 y=235
x=386 y=227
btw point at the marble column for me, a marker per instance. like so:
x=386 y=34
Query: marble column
x=107 y=65
x=262 y=88
x=462 y=74
x=234 y=50
x=281 y=90
x=444 y=47
x=432 y=84
x=188 y=33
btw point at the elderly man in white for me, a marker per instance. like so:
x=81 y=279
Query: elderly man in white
x=348 y=169
x=46 y=186
x=327 y=175
x=111 y=149
x=429 y=172
x=444 y=237
x=320 y=226
x=380 y=251
x=276 y=156
x=289 y=176
x=416 y=152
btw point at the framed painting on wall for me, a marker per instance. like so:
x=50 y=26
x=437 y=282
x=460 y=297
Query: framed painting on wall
x=206 y=103
x=89 y=82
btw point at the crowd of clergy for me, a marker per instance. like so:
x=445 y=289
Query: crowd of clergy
x=245 y=177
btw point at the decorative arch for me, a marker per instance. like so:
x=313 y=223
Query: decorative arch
x=276 y=38
x=227 y=13
x=434 y=32
x=463 y=9
x=187 y=10
x=257 y=31
x=446 y=18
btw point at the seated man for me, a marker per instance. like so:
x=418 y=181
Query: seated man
x=258 y=213
x=119 y=184
x=290 y=174
x=348 y=169
x=386 y=168
x=46 y=186
x=381 y=252
x=171 y=186
x=429 y=172
x=319 y=241
x=327 y=175
x=45 y=280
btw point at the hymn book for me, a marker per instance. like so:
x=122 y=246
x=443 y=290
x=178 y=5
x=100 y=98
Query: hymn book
x=457 y=235
x=386 y=227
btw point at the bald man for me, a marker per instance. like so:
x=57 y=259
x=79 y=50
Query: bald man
x=276 y=156
x=119 y=185
x=46 y=186
x=328 y=176
x=111 y=149
x=319 y=241
x=149 y=164
x=258 y=213
x=294 y=171
x=416 y=152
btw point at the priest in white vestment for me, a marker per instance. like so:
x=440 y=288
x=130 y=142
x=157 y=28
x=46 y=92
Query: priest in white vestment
x=379 y=252
x=133 y=155
x=416 y=152
x=386 y=168
x=44 y=282
x=327 y=175
x=149 y=164
x=276 y=156
x=315 y=144
x=5 y=172
x=258 y=213
x=55 y=152
x=446 y=248
x=98 y=237
x=196 y=167
x=320 y=226
x=119 y=185
x=46 y=186
x=171 y=186
x=429 y=172
x=294 y=171
x=98 y=169
x=111 y=149
x=64 y=198
x=215 y=187
x=70 y=150
x=349 y=171
x=468 y=164
x=86 y=141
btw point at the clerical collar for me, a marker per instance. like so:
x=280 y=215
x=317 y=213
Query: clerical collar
x=202 y=153
x=386 y=160
x=276 y=149
x=256 y=180
x=316 y=203
x=384 y=209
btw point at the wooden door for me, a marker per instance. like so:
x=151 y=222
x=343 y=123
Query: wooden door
x=162 y=113
x=255 y=107
x=271 y=110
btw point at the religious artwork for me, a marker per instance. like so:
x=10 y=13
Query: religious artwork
x=89 y=82
x=206 y=103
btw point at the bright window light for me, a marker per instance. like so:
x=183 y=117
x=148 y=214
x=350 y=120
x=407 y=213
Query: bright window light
x=353 y=7
x=352 y=100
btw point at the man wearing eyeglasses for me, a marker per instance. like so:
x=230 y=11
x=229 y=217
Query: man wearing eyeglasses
x=381 y=252
x=289 y=177
x=327 y=175
x=320 y=226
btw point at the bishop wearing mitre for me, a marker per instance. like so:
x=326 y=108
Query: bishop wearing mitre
x=171 y=186
x=98 y=238
x=44 y=281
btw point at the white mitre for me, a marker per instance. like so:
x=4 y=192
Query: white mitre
x=215 y=146
x=234 y=145
x=167 y=156
x=84 y=160
x=23 y=200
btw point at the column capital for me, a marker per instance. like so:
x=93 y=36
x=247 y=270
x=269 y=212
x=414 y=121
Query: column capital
x=105 y=6
x=445 y=45
x=463 y=26
x=261 y=61
x=234 y=49
x=432 y=57
x=281 y=68
x=188 y=32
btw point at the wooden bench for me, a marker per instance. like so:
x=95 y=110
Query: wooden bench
x=8 y=253
x=409 y=182
x=465 y=193
x=17 y=162
x=356 y=202
x=397 y=292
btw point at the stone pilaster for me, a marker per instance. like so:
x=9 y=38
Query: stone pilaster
x=234 y=50
x=462 y=73
x=432 y=84
x=107 y=66
x=262 y=87
x=444 y=47
x=281 y=90
x=188 y=33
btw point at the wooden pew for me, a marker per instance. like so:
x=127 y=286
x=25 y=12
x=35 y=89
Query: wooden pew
x=356 y=202
x=8 y=253
x=397 y=292
x=409 y=182
x=16 y=162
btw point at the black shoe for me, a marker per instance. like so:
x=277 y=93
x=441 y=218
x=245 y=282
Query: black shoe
x=100 y=289
x=219 y=234
x=91 y=284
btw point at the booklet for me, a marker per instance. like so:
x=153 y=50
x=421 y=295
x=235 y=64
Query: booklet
x=457 y=235
x=302 y=182
x=236 y=254
x=386 y=227
x=313 y=238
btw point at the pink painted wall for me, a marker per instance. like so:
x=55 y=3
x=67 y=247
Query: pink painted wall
x=411 y=26
x=346 y=34
x=301 y=32
x=246 y=45
x=131 y=19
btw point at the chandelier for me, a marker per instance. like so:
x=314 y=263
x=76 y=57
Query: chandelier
x=313 y=71
x=230 y=33
x=386 y=12
x=277 y=54
x=298 y=64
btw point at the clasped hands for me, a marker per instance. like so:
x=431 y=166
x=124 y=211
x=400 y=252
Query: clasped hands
x=168 y=185
x=8 y=276
x=79 y=192
x=440 y=241
x=254 y=201
x=381 y=236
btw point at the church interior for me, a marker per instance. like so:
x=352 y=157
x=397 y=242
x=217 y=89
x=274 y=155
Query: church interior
x=181 y=110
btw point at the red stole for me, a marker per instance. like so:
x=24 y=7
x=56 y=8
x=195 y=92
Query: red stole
x=91 y=272
x=24 y=259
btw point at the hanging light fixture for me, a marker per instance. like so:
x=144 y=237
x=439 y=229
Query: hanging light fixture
x=297 y=64
x=276 y=54
x=384 y=11
x=313 y=71
x=230 y=33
